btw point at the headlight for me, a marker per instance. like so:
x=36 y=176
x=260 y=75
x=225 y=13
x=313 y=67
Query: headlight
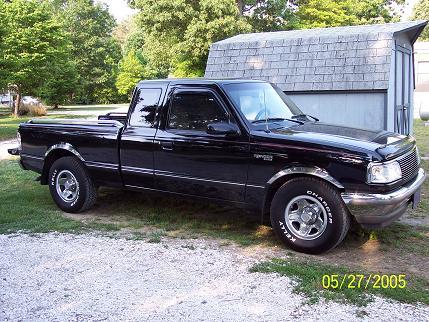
x=384 y=172
x=18 y=139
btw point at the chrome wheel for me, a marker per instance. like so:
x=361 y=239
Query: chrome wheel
x=67 y=186
x=306 y=217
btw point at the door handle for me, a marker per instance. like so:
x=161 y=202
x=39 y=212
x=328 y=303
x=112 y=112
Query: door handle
x=166 y=146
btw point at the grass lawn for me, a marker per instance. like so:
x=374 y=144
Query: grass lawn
x=308 y=277
x=149 y=216
x=27 y=206
x=90 y=107
x=9 y=125
x=421 y=133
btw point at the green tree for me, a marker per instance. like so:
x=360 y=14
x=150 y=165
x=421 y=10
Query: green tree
x=34 y=45
x=325 y=13
x=271 y=15
x=59 y=89
x=3 y=62
x=377 y=11
x=213 y=20
x=95 y=52
x=331 y=13
x=132 y=69
x=421 y=12
x=178 y=33
x=135 y=41
x=123 y=31
x=133 y=66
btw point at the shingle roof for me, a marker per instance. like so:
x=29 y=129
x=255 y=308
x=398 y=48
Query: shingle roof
x=339 y=58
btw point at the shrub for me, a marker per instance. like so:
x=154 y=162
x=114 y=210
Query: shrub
x=32 y=109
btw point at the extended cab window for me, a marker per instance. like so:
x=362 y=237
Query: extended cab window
x=194 y=111
x=146 y=102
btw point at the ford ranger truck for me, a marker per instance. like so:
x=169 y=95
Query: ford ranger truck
x=241 y=142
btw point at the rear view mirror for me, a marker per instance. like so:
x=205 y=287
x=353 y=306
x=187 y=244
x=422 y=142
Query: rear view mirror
x=223 y=128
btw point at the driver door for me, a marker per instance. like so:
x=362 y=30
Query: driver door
x=191 y=161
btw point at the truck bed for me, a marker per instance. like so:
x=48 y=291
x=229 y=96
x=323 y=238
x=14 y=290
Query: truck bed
x=96 y=141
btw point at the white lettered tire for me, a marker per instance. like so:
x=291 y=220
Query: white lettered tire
x=71 y=186
x=309 y=216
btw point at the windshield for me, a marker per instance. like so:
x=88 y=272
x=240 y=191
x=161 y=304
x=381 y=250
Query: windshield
x=261 y=101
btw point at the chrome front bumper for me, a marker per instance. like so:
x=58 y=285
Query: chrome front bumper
x=373 y=210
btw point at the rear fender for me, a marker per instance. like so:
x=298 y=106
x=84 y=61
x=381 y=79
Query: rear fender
x=55 y=152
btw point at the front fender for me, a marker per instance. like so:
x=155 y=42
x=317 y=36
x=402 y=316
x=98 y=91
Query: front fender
x=305 y=170
x=282 y=176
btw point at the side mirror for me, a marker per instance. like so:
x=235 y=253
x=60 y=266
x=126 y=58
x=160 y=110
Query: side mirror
x=223 y=128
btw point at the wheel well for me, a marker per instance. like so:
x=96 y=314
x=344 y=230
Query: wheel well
x=50 y=159
x=276 y=185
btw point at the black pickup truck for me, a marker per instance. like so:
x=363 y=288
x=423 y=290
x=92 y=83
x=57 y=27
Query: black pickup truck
x=238 y=141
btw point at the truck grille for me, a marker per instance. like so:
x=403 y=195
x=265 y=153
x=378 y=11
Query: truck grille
x=409 y=165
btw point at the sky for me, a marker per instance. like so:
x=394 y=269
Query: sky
x=408 y=9
x=120 y=10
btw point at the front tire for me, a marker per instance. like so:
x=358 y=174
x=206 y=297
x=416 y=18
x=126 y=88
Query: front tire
x=71 y=186
x=309 y=216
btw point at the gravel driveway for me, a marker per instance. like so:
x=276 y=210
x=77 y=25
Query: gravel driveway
x=4 y=145
x=88 y=277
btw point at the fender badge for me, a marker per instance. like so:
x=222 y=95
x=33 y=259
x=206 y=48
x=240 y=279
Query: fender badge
x=264 y=157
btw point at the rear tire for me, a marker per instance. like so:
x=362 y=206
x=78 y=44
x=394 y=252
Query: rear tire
x=71 y=186
x=309 y=216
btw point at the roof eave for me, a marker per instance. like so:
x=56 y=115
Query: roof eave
x=416 y=30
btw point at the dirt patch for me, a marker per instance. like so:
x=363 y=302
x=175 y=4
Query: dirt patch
x=361 y=258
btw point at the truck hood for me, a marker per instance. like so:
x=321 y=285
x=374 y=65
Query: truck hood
x=387 y=144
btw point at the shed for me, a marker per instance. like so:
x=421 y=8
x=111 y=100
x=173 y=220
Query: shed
x=360 y=76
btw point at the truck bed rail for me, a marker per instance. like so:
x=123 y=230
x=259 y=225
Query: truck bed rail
x=115 y=116
x=106 y=123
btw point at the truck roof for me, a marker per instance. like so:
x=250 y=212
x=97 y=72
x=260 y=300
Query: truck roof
x=200 y=80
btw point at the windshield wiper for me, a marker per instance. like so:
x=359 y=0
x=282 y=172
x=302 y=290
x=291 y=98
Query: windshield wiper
x=276 y=119
x=305 y=115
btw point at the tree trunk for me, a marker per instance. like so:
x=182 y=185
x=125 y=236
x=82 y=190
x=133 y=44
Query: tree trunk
x=240 y=5
x=17 y=102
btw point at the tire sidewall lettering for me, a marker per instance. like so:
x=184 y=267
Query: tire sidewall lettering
x=329 y=201
x=324 y=204
x=53 y=176
x=286 y=232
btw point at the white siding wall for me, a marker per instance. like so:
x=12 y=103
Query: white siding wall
x=360 y=110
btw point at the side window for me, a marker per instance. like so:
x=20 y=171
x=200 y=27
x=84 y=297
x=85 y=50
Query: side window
x=146 y=102
x=193 y=112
